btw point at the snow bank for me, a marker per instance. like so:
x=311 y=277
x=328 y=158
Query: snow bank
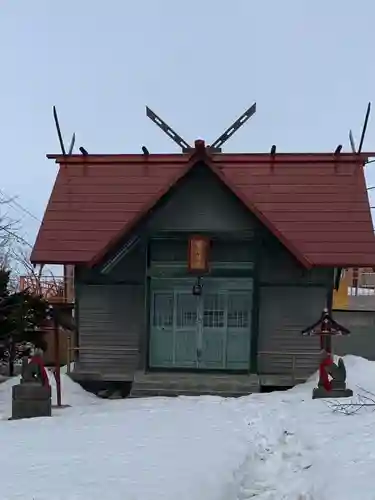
x=266 y=446
x=72 y=393
x=304 y=451
x=360 y=373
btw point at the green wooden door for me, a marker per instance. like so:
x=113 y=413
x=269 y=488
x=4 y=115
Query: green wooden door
x=173 y=325
x=226 y=332
x=207 y=332
x=212 y=335
x=162 y=329
x=186 y=331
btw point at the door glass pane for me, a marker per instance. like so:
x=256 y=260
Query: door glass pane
x=214 y=310
x=163 y=310
x=238 y=310
x=186 y=310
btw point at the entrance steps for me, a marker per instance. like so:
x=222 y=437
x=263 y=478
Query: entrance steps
x=193 y=384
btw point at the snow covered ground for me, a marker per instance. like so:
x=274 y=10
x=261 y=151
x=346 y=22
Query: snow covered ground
x=280 y=446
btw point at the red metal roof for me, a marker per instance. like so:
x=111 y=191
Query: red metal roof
x=315 y=204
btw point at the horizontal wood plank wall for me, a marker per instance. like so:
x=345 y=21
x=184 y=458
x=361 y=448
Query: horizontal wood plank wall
x=290 y=299
x=361 y=341
x=279 y=267
x=111 y=319
x=234 y=253
x=201 y=203
x=285 y=312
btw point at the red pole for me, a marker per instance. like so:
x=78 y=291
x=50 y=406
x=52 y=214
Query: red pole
x=57 y=363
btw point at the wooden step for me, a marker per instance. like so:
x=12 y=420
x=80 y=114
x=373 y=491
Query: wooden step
x=166 y=393
x=192 y=384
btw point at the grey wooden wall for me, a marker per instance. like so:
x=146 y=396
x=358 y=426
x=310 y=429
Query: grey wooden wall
x=202 y=203
x=361 y=341
x=110 y=325
x=111 y=308
x=291 y=299
x=111 y=318
x=285 y=312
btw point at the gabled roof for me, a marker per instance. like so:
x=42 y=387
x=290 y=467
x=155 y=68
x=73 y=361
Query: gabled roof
x=315 y=204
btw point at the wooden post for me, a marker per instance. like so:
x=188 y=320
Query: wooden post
x=57 y=362
x=293 y=368
x=68 y=354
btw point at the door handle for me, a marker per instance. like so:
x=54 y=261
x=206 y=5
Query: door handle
x=199 y=353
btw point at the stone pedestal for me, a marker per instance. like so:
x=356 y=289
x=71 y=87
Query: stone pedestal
x=337 y=373
x=320 y=392
x=31 y=399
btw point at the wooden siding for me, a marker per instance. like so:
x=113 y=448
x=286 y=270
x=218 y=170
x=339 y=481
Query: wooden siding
x=285 y=311
x=202 y=203
x=129 y=270
x=361 y=341
x=290 y=299
x=221 y=251
x=110 y=324
x=278 y=266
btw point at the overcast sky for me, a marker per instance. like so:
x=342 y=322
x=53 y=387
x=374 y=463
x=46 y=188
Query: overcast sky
x=309 y=65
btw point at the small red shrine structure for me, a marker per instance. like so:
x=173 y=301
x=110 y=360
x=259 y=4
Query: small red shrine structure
x=326 y=327
x=332 y=377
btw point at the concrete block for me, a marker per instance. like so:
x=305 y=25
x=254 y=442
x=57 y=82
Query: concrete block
x=31 y=400
x=31 y=391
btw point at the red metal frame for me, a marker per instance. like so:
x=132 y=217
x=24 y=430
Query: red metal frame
x=52 y=288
